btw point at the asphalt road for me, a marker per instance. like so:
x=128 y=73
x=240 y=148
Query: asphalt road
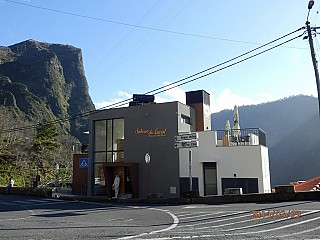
x=43 y=218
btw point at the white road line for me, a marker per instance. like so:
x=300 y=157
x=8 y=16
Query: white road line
x=266 y=223
x=35 y=200
x=298 y=233
x=274 y=229
x=114 y=219
x=199 y=216
x=187 y=214
x=219 y=220
x=173 y=225
x=207 y=206
x=211 y=236
x=24 y=202
x=127 y=220
x=226 y=224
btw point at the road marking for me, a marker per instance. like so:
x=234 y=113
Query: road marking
x=114 y=219
x=282 y=227
x=301 y=232
x=267 y=223
x=219 y=220
x=207 y=206
x=187 y=214
x=201 y=215
x=227 y=224
x=127 y=220
x=187 y=231
x=173 y=225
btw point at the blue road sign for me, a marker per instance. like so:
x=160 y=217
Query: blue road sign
x=84 y=162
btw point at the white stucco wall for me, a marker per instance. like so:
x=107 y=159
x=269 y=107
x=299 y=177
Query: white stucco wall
x=244 y=161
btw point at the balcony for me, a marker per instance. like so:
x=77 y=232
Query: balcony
x=242 y=137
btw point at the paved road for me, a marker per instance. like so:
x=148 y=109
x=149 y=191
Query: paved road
x=41 y=218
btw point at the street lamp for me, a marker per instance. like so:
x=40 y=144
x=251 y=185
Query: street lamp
x=310 y=4
x=313 y=55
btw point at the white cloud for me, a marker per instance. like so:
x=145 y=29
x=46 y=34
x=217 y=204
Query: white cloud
x=121 y=96
x=124 y=94
x=174 y=94
x=226 y=99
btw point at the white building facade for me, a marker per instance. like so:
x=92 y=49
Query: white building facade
x=217 y=166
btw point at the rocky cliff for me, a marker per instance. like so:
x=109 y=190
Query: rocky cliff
x=46 y=82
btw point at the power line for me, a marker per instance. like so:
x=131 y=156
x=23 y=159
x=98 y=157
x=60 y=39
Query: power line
x=133 y=25
x=174 y=84
x=230 y=60
x=233 y=64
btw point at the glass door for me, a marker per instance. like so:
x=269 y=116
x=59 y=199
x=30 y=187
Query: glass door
x=210 y=178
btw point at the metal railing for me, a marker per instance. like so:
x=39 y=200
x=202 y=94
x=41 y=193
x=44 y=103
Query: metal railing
x=241 y=137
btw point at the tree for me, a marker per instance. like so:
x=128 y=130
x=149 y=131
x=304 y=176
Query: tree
x=14 y=145
x=45 y=140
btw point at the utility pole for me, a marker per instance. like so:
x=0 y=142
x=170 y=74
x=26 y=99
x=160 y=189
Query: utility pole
x=313 y=55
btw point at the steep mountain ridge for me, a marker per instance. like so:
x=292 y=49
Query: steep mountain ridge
x=46 y=81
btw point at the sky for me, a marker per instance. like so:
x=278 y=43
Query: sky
x=132 y=47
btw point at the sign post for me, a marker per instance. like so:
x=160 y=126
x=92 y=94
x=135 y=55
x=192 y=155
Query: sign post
x=187 y=141
x=190 y=169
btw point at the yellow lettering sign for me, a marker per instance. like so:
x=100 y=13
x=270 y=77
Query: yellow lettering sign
x=152 y=132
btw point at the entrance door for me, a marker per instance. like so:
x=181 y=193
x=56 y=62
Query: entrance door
x=210 y=178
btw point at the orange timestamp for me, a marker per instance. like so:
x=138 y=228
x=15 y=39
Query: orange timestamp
x=276 y=214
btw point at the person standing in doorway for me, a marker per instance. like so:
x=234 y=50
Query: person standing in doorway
x=116 y=185
x=10 y=185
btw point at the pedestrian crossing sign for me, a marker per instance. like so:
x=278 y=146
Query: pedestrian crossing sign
x=84 y=162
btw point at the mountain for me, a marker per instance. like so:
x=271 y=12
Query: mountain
x=45 y=82
x=292 y=127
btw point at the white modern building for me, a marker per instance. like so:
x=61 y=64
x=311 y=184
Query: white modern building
x=217 y=166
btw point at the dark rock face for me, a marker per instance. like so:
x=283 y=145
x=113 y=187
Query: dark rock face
x=46 y=81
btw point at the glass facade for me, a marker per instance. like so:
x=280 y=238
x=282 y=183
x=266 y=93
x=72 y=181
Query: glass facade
x=108 y=147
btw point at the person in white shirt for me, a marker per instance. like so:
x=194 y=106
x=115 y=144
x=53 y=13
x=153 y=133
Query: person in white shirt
x=116 y=185
x=10 y=185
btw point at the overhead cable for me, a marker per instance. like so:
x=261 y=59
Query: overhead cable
x=175 y=84
x=131 y=25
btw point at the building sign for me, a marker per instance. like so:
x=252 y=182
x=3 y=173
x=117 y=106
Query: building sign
x=184 y=137
x=189 y=144
x=156 y=132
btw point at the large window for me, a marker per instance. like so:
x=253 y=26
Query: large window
x=108 y=147
x=248 y=185
x=109 y=141
x=185 y=119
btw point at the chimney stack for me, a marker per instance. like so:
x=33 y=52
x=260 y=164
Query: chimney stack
x=200 y=101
